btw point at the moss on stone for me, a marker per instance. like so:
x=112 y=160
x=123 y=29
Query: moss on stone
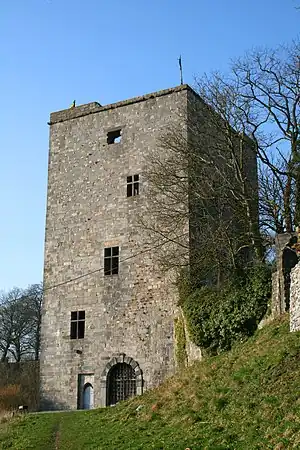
x=180 y=342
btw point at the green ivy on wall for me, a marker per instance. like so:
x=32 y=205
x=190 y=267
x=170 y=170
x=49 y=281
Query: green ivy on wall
x=216 y=319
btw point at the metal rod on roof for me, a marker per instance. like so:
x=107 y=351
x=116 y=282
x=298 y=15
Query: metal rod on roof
x=180 y=67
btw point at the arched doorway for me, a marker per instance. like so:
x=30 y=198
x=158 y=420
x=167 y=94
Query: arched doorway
x=88 y=396
x=121 y=383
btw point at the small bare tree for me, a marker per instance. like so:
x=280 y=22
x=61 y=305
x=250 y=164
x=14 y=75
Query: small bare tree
x=34 y=298
x=20 y=318
x=8 y=319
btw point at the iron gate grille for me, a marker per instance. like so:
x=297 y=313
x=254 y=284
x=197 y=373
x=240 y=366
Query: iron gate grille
x=121 y=383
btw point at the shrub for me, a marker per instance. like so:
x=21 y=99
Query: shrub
x=218 y=319
x=9 y=397
x=25 y=375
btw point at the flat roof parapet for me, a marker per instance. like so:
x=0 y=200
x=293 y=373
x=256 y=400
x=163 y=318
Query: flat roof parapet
x=95 y=107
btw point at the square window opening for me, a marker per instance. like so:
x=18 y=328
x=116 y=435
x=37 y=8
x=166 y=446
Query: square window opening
x=77 y=326
x=114 y=137
x=133 y=186
x=111 y=261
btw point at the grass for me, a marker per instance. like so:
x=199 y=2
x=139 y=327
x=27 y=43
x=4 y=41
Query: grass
x=247 y=399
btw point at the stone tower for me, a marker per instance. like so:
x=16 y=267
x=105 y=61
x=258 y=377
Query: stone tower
x=108 y=311
x=107 y=325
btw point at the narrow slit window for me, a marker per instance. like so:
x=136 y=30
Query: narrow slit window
x=77 y=324
x=111 y=261
x=133 y=188
x=114 y=137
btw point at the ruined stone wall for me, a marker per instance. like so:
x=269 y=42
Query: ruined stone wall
x=295 y=299
x=193 y=352
x=279 y=301
x=129 y=316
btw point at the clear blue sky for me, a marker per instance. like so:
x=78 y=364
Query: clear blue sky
x=55 y=51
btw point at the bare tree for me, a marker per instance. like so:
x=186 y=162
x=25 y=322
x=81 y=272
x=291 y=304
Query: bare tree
x=268 y=83
x=20 y=317
x=9 y=319
x=34 y=297
x=271 y=206
x=203 y=189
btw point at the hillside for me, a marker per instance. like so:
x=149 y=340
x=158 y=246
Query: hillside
x=248 y=398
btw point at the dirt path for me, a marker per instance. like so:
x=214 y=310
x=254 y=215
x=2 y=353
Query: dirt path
x=56 y=434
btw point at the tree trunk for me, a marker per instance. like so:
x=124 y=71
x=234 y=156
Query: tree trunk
x=287 y=204
x=37 y=342
x=297 y=184
x=4 y=354
x=297 y=199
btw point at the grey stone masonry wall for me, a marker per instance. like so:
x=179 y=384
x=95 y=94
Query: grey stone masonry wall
x=295 y=299
x=129 y=316
x=284 y=260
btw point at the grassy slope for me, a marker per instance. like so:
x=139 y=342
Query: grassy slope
x=247 y=399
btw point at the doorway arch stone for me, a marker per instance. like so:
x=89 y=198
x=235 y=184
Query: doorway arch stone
x=120 y=359
x=88 y=396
